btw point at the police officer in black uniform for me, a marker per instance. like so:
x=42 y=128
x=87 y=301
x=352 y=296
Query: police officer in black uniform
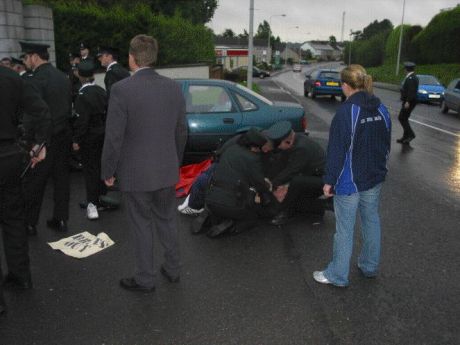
x=74 y=60
x=16 y=97
x=108 y=57
x=54 y=88
x=300 y=181
x=84 y=52
x=88 y=134
x=19 y=67
x=409 y=101
x=237 y=186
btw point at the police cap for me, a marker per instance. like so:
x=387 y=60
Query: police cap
x=83 y=46
x=16 y=61
x=279 y=131
x=108 y=50
x=409 y=65
x=86 y=68
x=33 y=47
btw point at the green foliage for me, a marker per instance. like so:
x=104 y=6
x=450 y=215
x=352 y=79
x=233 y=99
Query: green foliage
x=375 y=28
x=392 y=45
x=439 y=41
x=180 y=41
x=386 y=73
x=367 y=52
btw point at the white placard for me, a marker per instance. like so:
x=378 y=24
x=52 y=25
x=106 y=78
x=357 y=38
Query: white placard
x=83 y=244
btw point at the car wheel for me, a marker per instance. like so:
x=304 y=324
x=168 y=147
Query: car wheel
x=444 y=108
x=312 y=94
x=262 y=76
x=305 y=93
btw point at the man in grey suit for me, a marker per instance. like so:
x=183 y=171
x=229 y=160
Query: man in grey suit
x=145 y=138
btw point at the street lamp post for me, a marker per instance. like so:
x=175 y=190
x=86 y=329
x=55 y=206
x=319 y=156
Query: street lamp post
x=286 y=48
x=269 y=56
x=251 y=44
x=400 y=39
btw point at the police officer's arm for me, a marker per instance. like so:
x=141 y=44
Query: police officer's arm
x=114 y=134
x=80 y=126
x=36 y=115
x=255 y=173
x=412 y=86
x=294 y=166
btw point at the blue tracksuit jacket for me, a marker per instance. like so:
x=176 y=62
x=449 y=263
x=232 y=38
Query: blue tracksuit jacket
x=359 y=145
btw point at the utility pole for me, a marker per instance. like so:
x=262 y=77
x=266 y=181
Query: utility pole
x=269 y=36
x=251 y=44
x=343 y=26
x=349 y=50
x=400 y=38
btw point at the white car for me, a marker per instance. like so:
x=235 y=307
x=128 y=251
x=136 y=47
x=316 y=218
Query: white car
x=296 y=68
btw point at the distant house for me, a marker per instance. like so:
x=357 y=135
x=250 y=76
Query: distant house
x=233 y=52
x=321 y=50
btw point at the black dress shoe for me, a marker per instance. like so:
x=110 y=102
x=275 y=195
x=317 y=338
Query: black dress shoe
x=31 y=230
x=400 y=140
x=131 y=285
x=219 y=229
x=199 y=222
x=170 y=278
x=15 y=282
x=408 y=139
x=59 y=225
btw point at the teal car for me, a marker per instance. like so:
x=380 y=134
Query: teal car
x=219 y=109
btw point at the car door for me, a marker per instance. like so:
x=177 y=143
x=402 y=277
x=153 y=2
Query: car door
x=452 y=96
x=212 y=115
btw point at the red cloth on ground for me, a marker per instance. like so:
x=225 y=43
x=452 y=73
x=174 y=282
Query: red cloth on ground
x=188 y=174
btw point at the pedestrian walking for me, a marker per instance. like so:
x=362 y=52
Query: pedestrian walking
x=55 y=89
x=409 y=101
x=145 y=138
x=357 y=154
x=14 y=97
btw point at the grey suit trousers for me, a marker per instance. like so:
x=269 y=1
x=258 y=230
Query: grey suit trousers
x=146 y=212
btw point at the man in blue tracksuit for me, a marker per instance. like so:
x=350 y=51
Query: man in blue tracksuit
x=358 y=150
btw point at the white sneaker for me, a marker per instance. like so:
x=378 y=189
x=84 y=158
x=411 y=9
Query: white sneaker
x=321 y=278
x=91 y=211
x=184 y=204
x=191 y=211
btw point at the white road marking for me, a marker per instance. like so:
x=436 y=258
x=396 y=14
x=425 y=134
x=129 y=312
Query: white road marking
x=436 y=128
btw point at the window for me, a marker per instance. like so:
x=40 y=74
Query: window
x=208 y=99
x=245 y=103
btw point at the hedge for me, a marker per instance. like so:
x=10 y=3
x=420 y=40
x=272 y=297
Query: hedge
x=179 y=40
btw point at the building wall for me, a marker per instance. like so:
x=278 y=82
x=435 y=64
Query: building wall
x=29 y=23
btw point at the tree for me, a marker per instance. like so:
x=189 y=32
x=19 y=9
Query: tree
x=375 y=28
x=228 y=33
x=244 y=34
x=263 y=31
x=332 y=41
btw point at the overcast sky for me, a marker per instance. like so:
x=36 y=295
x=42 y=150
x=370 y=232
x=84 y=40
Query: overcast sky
x=319 y=19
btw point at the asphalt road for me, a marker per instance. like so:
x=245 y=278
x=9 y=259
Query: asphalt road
x=256 y=288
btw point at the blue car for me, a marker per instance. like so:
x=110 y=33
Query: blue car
x=429 y=89
x=219 y=109
x=323 y=82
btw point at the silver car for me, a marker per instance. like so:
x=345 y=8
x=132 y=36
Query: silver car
x=451 y=97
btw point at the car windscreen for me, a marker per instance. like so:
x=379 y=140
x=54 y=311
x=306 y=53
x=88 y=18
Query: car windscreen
x=329 y=75
x=428 y=80
x=254 y=94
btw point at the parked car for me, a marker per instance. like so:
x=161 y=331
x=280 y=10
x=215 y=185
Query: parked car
x=429 y=89
x=323 y=82
x=297 y=68
x=451 y=99
x=256 y=72
x=219 y=109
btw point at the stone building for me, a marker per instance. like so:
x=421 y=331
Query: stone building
x=25 y=23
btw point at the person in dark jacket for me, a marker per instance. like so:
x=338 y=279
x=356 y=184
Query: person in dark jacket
x=74 y=60
x=298 y=184
x=55 y=89
x=357 y=155
x=88 y=134
x=409 y=101
x=108 y=57
x=237 y=185
x=16 y=97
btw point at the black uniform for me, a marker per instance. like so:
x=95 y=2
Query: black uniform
x=237 y=178
x=115 y=72
x=16 y=97
x=89 y=127
x=55 y=90
x=74 y=81
x=408 y=94
x=304 y=167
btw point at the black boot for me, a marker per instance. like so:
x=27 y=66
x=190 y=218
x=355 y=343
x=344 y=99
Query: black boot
x=198 y=224
x=219 y=229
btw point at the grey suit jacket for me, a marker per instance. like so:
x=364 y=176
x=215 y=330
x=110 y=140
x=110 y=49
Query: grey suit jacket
x=146 y=132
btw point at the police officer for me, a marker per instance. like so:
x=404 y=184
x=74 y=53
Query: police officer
x=15 y=97
x=237 y=185
x=88 y=133
x=84 y=52
x=108 y=57
x=19 y=67
x=299 y=184
x=54 y=88
x=409 y=101
x=74 y=60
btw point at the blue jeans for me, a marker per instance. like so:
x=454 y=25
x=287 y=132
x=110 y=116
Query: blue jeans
x=345 y=213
